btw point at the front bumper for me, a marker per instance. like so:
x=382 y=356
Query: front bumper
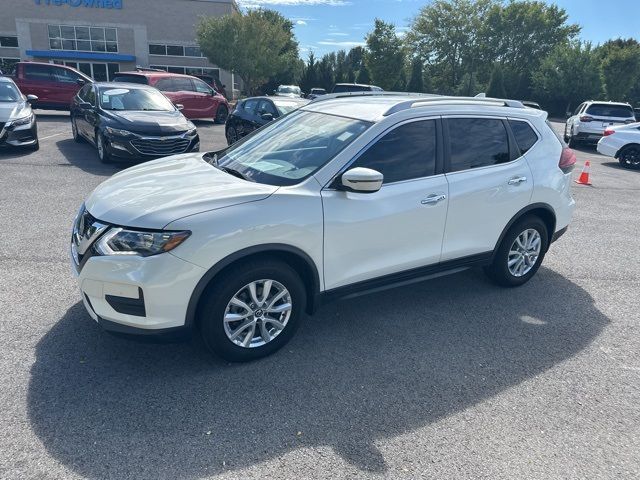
x=19 y=136
x=150 y=147
x=130 y=293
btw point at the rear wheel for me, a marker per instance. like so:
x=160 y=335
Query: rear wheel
x=629 y=157
x=520 y=254
x=221 y=114
x=101 y=145
x=572 y=142
x=252 y=310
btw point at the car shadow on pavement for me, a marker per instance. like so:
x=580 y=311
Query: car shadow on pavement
x=617 y=166
x=85 y=157
x=360 y=371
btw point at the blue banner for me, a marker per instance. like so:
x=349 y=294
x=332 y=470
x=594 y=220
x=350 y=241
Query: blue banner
x=110 y=4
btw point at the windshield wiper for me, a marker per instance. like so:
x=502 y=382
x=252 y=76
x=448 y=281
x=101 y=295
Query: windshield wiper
x=234 y=172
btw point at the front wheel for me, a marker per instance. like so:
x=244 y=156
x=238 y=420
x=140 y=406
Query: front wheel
x=232 y=135
x=221 y=114
x=74 y=130
x=629 y=157
x=520 y=253
x=101 y=144
x=252 y=310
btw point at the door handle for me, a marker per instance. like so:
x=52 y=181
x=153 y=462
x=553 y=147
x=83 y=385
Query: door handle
x=517 y=180
x=433 y=199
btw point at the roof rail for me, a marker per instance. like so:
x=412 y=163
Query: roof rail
x=366 y=93
x=421 y=102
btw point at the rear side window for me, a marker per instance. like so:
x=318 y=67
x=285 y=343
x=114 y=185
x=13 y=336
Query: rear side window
x=525 y=135
x=477 y=142
x=37 y=72
x=131 y=79
x=406 y=152
x=606 y=110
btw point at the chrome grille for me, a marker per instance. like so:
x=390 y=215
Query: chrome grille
x=160 y=146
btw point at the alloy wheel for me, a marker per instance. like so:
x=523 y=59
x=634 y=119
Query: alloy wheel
x=631 y=157
x=524 y=252
x=257 y=313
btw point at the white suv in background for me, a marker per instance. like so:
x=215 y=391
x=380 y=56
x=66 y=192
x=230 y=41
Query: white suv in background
x=591 y=119
x=349 y=194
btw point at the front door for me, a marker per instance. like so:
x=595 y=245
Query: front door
x=489 y=182
x=400 y=227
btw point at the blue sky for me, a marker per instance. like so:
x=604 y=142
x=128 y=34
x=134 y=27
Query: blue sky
x=327 y=25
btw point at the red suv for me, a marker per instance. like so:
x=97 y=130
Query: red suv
x=198 y=99
x=54 y=85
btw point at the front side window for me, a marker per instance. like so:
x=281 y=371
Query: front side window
x=64 y=75
x=266 y=106
x=249 y=105
x=525 y=135
x=136 y=99
x=202 y=87
x=82 y=94
x=183 y=85
x=405 y=153
x=477 y=142
x=289 y=150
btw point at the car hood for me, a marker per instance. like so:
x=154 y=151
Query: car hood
x=148 y=123
x=13 y=110
x=159 y=192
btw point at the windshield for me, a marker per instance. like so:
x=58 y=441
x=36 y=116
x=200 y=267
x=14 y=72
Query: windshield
x=286 y=107
x=134 y=99
x=290 y=149
x=288 y=89
x=9 y=92
x=606 y=110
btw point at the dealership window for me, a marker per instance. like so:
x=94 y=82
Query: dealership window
x=10 y=41
x=214 y=72
x=7 y=65
x=174 y=50
x=86 y=39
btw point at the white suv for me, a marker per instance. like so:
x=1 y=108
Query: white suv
x=349 y=194
x=590 y=120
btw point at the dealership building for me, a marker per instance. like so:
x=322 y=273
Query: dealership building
x=102 y=37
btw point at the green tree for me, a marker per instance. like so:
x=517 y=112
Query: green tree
x=620 y=68
x=496 y=83
x=309 y=78
x=256 y=45
x=385 y=55
x=567 y=77
x=416 y=80
x=363 y=75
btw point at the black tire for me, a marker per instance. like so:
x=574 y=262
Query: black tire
x=499 y=271
x=565 y=136
x=232 y=135
x=572 y=142
x=74 y=130
x=103 y=153
x=213 y=309
x=221 y=114
x=629 y=157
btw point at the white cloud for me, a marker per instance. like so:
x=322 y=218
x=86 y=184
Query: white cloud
x=337 y=34
x=256 y=3
x=344 y=44
x=300 y=22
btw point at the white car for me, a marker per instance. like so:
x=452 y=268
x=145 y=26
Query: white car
x=349 y=194
x=623 y=143
x=591 y=119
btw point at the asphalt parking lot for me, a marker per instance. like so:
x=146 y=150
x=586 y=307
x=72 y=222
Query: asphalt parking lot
x=454 y=378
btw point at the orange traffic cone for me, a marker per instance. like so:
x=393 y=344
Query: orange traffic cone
x=584 y=176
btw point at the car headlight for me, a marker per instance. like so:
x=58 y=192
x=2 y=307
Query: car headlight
x=121 y=241
x=192 y=129
x=21 y=121
x=118 y=132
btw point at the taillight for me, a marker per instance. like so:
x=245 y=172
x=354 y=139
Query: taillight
x=608 y=132
x=586 y=118
x=567 y=160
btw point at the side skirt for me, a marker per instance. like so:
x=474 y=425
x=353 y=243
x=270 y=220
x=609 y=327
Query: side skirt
x=407 y=277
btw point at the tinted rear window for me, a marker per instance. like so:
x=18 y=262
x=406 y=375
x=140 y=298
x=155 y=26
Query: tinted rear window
x=477 y=142
x=131 y=79
x=605 y=110
x=350 y=88
x=525 y=135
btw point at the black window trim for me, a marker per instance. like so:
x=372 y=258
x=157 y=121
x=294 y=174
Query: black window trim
x=439 y=167
x=514 y=150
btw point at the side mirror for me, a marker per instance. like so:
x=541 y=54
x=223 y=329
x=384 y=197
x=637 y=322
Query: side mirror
x=179 y=106
x=81 y=81
x=85 y=105
x=32 y=99
x=362 y=180
x=267 y=116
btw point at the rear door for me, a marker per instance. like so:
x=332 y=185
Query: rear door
x=489 y=182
